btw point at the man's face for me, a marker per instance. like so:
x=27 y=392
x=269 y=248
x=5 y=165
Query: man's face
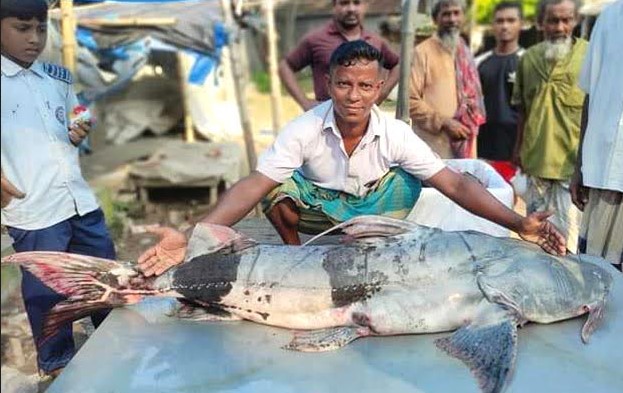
x=349 y=13
x=559 y=21
x=23 y=40
x=507 y=25
x=354 y=90
x=449 y=19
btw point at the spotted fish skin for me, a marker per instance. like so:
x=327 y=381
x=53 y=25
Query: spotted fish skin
x=424 y=280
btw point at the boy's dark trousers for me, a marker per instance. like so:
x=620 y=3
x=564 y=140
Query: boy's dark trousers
x=86 y=235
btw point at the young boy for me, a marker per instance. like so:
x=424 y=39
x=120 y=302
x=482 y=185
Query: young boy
x=46 y=203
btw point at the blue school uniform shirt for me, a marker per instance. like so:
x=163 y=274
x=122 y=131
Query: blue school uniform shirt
x=37 y=155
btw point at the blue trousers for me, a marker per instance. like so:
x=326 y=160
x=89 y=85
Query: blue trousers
x=86 y=235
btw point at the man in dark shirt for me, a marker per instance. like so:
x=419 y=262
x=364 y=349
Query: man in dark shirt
x=316 y=47
x=497 y=69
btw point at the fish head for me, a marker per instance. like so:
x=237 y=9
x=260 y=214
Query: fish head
x=597 y=280
x=546 y=288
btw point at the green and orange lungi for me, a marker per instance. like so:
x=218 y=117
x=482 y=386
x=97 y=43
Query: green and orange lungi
x=320 y=208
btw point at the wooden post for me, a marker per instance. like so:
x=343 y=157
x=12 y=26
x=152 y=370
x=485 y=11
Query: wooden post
x=234 y=52
x=407 y=39
x=289 y=35
x=275 y=83
x=68 y=34
x=189 y=131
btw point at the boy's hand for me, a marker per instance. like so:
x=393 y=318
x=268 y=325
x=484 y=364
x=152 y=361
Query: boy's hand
x=78 y=131
x=9 y=191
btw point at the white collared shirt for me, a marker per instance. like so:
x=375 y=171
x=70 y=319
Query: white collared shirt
x=602 y=79
x=37 y=155
x=313 y=145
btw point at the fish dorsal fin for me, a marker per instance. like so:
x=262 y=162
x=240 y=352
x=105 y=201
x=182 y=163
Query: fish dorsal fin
x=211 y=238
x=369 y=226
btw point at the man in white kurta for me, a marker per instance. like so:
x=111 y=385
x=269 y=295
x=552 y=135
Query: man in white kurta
x=597 y=185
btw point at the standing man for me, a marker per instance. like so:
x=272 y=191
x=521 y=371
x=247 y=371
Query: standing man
x=46 y=203
x=342 y=159
x=445 y=97
x=497 y=69
x=316 y=47
x=597 y=184
x=550 y=105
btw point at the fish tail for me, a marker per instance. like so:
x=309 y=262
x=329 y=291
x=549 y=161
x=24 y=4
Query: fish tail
x=89 y=283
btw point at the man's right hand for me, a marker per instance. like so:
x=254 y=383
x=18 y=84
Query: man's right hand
x=9 y=191
x=455 y=129
x=516 y=160
x=579 y=193
x=170 y=251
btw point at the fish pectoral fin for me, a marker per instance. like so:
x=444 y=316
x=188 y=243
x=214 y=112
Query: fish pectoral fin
x=488 y=350
x=368 y=227
x=595 y=315
x=209 y=238
x=323 y=340
x=192 y=311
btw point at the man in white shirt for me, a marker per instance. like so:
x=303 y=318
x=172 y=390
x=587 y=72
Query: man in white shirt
x=342 y=152
x=46 y=203
x=597 y=184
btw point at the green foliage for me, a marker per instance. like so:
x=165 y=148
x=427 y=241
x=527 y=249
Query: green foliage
x=115 y=212
x=484 y=10
x=261 y=81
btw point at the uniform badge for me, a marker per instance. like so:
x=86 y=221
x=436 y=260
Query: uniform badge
x=60 y=114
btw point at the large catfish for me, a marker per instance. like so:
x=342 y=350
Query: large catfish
x=391 y=277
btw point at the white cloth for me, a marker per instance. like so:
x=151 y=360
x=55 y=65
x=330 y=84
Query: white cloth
x=37 y=155
x=313 y=144
x=602 y=79
x=555 y=196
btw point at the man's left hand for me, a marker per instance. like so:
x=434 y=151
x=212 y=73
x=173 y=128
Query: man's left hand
x=536 y=229
x=79 y=131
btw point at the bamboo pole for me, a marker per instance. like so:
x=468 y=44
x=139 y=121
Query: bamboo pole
x=234 y=53
x=407 y=40
x=189 y=130
x=68 y=35
x=275 y=83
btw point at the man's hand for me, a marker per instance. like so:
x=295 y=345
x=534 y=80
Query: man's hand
x=169 y=251
x=536 y=229
x=516 y=159
x=455 y=129
x=79 y=131
x=9 y=191
x=579 y=193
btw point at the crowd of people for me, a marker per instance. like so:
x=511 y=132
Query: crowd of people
x=554 y=111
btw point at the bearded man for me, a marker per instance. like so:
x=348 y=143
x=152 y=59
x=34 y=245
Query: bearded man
x=445 y=98
x=550 y=105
